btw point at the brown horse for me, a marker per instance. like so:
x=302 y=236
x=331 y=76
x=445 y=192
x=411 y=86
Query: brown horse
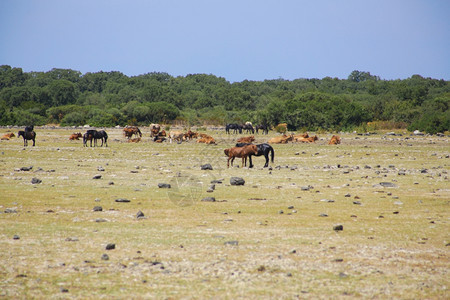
x=75 y=136
x=241 y=152
x=129 y=131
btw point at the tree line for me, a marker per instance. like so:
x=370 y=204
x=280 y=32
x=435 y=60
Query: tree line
x=104 y=99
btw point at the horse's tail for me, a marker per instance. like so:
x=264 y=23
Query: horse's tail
x=272 y=153
x=139 y=131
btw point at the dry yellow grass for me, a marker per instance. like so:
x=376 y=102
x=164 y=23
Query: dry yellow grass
x=394 y=243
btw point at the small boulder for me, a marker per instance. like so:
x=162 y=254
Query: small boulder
x=206 y=167
x=338 y=227
x=122 y=200
x=237 y=181
x=110 y=246
x=164 y=186
x=36 y=181
x=97 y=208
x=209 y=199
x=98 y=176
x=140 y=215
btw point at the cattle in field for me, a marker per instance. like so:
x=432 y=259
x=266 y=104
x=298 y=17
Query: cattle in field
x=190 y=135
x=311 y=139
x=300 y=136
x=335 y=140
x=240 y=152
x=129 y=131
x=8 y=136
x=246 y=139
x=135 y=140
x=154 y=129
x=206 y=139
x=284 y=139
x=176 y=136
x=282 y=127
x=75 y=136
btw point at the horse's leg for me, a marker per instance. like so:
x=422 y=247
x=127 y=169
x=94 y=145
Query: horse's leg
x=34 y=142
x=250 y=159
x=266 y=155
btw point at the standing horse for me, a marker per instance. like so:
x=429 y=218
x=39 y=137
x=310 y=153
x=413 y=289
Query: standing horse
x=27 y=135
x=235 y=127
x=241 y=152
x=264 y=128
x=263 y=149
x=95 y=135
x=129 y=131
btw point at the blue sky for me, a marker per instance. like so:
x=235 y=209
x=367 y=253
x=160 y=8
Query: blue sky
x=237 y=40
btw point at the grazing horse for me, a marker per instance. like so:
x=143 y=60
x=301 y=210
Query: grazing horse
x=241 y=152
x=263 y=149
x=236 y=128
x=264 y=128
x=27 y=135
x=129 y=131
x=335 y=140
x=249 y=127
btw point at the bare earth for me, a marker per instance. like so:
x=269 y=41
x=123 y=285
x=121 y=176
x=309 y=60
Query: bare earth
x=272 y=238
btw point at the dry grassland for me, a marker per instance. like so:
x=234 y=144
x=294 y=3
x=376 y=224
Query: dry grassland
x=272 y=238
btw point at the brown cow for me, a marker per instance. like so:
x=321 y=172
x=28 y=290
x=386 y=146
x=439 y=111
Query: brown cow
x=190 y=135
x=8 y=136
x=154 y=128
x=129 y=131
x=246 y=139
x=281 y=139
x=300 y=136
x=135 y=140
x=242 y=152
x=176 y=135
x=207 y=140
x=75 y=136
x=311 y=139
x=335 y=139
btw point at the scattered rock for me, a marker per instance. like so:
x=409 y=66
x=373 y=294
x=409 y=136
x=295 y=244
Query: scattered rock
x=306 y=188
x=140 y=215
x=100 y=169
x=122 y=200
x=356 y=202
x=16 y=237
x=209 y=199
x=10 y=211
x=100 y=220
x=231 y=243
x=64 y=290
x=98 y=176
x=105 y=257
x=237 y=181
x=71 y=239
x=36 y=180
x=206 y=167
x=385 y=184
x=110 y=246
x=97 y=208
x=26 y=168
x=110 y=183
x=323 y=215
x=164 y=186
x=338 y=227
x=218 y=181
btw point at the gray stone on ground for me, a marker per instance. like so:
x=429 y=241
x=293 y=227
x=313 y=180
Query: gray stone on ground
x=164 y=186
x=98 y=176
x=122 y=200
x=206 y=167
x=209 y=199
x=140 y=214
x=110 y=246
x=36 y=180
x=237 y=181
x=97 y=208
x=338 y=227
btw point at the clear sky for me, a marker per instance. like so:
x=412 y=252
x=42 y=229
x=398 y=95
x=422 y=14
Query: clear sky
x=234 y=39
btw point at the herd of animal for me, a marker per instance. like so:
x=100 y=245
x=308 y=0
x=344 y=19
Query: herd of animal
x=244 y=148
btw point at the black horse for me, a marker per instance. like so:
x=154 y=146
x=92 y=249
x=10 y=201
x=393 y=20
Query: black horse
x=236 y=128
x=95 y=135
x=27 y=135
x=264 y=128
x=263 y=149
x=249 y=128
